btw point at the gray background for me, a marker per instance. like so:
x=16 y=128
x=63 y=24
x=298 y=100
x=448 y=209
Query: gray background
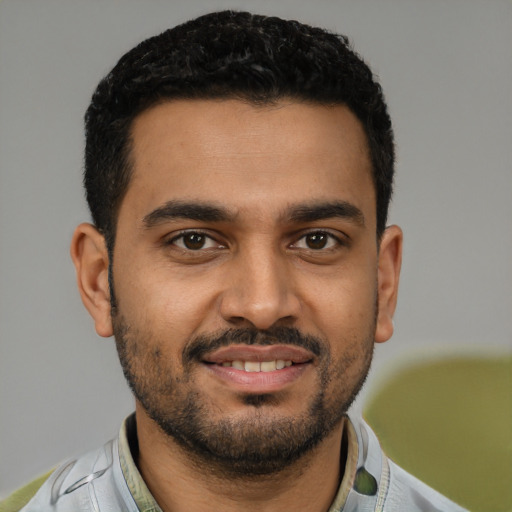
x=446 y=69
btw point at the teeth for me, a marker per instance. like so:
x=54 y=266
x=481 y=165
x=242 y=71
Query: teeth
x=268 y=366
x=252 y=366
x=256 y=366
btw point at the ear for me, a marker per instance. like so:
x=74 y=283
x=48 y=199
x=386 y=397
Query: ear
x=90 y=256
x=390 y=261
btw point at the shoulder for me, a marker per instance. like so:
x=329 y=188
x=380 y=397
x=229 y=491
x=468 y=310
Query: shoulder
x=92 y=482
x=406 y=493
x=19 y=498
x=393 y=489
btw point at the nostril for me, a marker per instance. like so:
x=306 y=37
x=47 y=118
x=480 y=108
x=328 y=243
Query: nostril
x=259 y=306
x=240 y=321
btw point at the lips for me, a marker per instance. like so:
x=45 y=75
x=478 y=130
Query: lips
x=256 y=368
x=259 y=353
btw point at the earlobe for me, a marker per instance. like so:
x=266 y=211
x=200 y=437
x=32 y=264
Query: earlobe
x=390 y=261
x=90 y=256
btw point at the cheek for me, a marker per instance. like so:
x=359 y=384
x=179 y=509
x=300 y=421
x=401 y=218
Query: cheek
x=345 y=304
x=160 y=302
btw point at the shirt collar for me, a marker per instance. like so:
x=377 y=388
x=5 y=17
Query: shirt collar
x=128 y=451
x=129 y=448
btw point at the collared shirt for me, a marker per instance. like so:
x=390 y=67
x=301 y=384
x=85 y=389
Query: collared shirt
x=128 y=449
x=108 y=479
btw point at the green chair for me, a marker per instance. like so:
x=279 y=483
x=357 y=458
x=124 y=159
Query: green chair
x=449 y=422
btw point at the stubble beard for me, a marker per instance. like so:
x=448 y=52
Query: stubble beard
x=260 y=443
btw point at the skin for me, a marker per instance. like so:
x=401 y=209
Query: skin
x=258 y=269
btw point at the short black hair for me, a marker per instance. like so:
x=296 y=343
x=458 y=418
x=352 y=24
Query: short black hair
x=236 y=55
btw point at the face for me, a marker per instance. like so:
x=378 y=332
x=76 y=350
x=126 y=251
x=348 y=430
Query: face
x=246 y=276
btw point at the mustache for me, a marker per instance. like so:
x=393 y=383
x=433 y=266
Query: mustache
x=203 y=344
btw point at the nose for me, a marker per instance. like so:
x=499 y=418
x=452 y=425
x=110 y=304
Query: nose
x=260 y=291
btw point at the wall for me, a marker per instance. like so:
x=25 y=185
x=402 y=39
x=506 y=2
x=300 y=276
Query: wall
x=446 y=70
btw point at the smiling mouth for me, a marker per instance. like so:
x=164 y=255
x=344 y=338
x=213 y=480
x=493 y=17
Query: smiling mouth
x=258 y=366
x=259 y=369
x=258 y=358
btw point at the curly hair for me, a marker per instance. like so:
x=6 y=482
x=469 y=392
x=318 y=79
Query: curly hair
x=235 y=55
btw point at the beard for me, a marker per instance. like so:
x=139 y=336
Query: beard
x=261 y=442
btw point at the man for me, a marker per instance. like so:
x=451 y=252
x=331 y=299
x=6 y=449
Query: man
x=238 y=171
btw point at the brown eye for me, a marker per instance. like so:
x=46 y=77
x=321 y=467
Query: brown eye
x=316 y=240
x=194 y=241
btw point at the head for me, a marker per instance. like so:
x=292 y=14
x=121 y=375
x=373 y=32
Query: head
x=237 y=55
x=238 y=170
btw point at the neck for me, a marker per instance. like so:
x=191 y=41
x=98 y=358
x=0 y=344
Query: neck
x=179 y=482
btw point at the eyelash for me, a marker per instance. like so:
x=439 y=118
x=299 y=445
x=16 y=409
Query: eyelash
x=338 y=241
x=182 y=234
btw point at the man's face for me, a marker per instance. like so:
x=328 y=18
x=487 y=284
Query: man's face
x=245 y=275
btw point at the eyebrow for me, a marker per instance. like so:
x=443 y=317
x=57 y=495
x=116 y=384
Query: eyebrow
x=172 y=210
x=326 y=210
x=206 y=212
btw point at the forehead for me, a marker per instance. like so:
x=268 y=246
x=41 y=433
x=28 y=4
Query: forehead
x=247 y=156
